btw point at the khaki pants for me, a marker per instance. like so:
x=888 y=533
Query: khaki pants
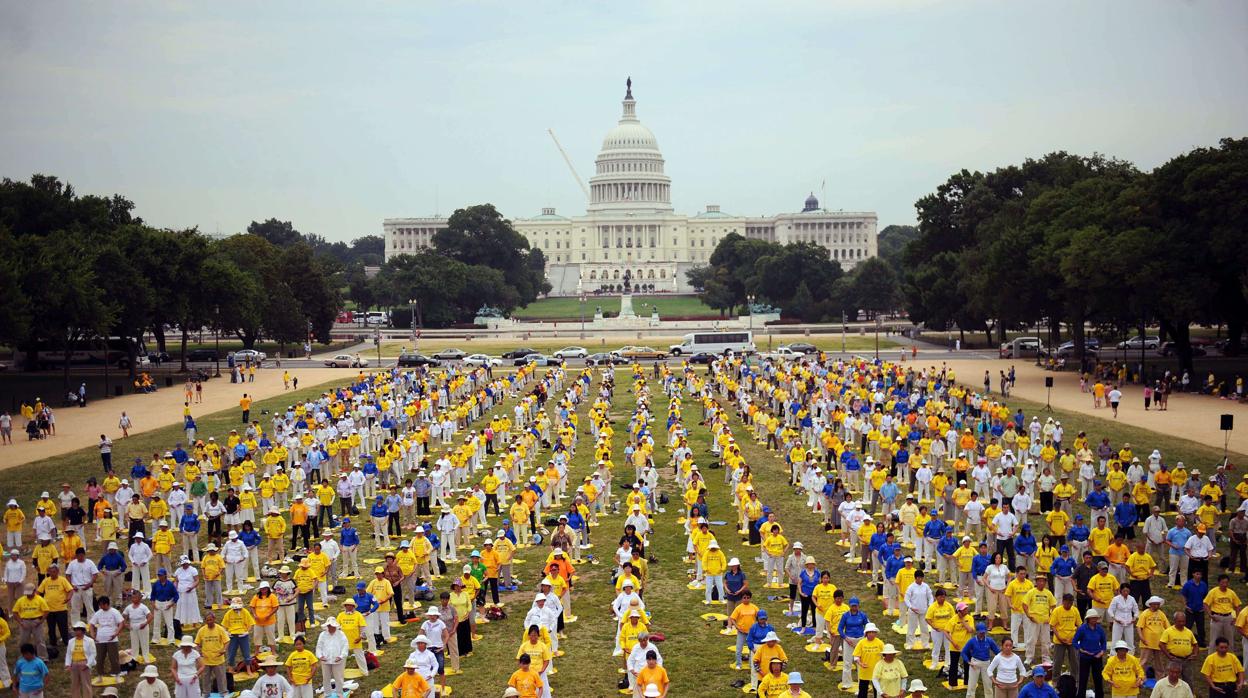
x=33 y=631
x=286 y=620
x=79 y=680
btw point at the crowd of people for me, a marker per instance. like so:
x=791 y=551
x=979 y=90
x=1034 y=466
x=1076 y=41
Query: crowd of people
x=966 y=519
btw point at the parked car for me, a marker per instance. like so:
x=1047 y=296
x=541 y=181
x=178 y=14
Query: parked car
x=450 y=354
x=347 y=361
x=519 y=353
x=1066 y=350
x=1020 y=347
x=604 y=359
x=1168 y=349
x=538 y=359
x=201 y=355
x=481 y=360
x=158 y=357
x=634 y=352
x=242 y=356
x=571 y=353
x=412 y=359
x=1137 y=342
x=702 y=357
x=804 y=347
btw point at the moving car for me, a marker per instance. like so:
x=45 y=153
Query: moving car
x=539 y=359
x=1020 y=347
x=519 y=353
x=1168 y=349
x=451 y=354
x=804 y=347
x=604 y=359
x=635 y=352
x=1066 y=350
x=201 y=355
x=785 y=353
x=346 y=361
x=242 y=356
x=412 y=359
x=481 y=360
x=1137 y=342
x=702 y=357
x=571 y=353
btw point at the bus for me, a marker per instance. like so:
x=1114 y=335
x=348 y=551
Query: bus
x=737 y=342
x=87 y=352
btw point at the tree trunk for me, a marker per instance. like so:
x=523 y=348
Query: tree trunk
x=158 y=331
x=185 y=336
x=988 y=334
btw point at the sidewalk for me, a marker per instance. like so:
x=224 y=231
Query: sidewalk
x=1190 y=416
x=79 y=427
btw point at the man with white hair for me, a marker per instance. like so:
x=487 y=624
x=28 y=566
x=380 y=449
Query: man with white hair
x=234 y=552
x=331 y=653
x=637 y=659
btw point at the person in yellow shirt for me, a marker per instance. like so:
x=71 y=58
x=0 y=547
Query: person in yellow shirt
x=301 y=667
x=212 y=641
x=1123 y=672
x=1151 y=624
x=410 y=684
x=775 y=683
x=764 y=654
x=238 y=622
x=264 y=611
x=1016 y=591
x=526 y=682
x=1038 y=605
x=1178 y=643
x=14 y=522
x=1064 y=620
x=1223 y=671
x=352 y=624
x=1102 y=586
x=1223 y=603
x=866 y=654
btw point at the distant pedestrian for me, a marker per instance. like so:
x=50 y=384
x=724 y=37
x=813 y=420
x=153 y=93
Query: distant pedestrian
x=1115 y=396
x=106 y=452
x=125 y=425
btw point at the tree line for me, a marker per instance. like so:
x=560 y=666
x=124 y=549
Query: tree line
x=1071 y=242
x=76 y=269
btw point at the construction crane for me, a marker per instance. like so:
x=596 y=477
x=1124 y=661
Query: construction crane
x=568 y=160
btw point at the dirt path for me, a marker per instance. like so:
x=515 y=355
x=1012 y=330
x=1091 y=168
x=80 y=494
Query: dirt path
x=80 y=427
x=1194 y=417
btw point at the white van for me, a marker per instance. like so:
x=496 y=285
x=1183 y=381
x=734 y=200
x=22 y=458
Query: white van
x=737 y=342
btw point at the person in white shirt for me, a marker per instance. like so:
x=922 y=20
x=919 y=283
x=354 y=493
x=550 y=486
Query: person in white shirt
x=272 y=684
x=995 y=578
x=186 y=578
x=426 y=662
x=1155 y=529
x=151 y=686
x=43 y=525
x=1007 y=670
x=138 y=617
x=1006 y=524
x=1123 y=612
x=14 y=575
x=918 y=597
x=448 y=528
x=82 y=574
x=106 y=622
x=636 y=660
x=140 y=556
x=331 y=652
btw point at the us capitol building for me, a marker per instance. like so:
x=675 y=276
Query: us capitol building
x=629 y=225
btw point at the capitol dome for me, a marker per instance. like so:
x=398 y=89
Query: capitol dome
x=628 y=173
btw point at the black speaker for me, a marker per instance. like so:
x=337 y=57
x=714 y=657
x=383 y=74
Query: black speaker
x=1048 y=381
x=1228 y=422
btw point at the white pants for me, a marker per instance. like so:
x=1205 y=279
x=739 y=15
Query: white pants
x=1126 y=633
x=977 y=671
x=332 y=673
x=190 y=689
x=162 y=624
x=940 y=648
x=235 y=574
x=286 y=620
x=141 y=579
x=140 y=642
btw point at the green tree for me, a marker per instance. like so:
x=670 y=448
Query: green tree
x=873 y=286
x=480 y=236
x=802 y=304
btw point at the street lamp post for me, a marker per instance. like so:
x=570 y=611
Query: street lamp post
x=582 y=316
x=878 y=321
x=750 y=307
x=411 y=304
x=217 y=334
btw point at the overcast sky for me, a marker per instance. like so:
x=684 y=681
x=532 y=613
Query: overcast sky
x=337 y=115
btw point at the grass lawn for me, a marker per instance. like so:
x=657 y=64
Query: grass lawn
x=570 y=307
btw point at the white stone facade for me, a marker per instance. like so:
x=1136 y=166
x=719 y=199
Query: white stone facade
x=630 y=227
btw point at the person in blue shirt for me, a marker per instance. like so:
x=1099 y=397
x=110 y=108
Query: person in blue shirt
x=1077 y=537
x=933 y=531
x=138 y=471
x=394 y=503
x=1063 y=571
x=735 y=584
x=1176 y=538
x=808 y=579
x=1025 y=545
x=31 y=672
x=1126 y=516
x=945 y=548
x=378 y=514
x=251 y=538
x=508 y=532
x=758 y=631
x=1097 y=500
x=1089 y=643
x=1194 y=592
x=892 y=565
x=977 y=653
x=365 y=603
x=889 y=492
x=164 y=597
x=874 y=545
x=1037 y=687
